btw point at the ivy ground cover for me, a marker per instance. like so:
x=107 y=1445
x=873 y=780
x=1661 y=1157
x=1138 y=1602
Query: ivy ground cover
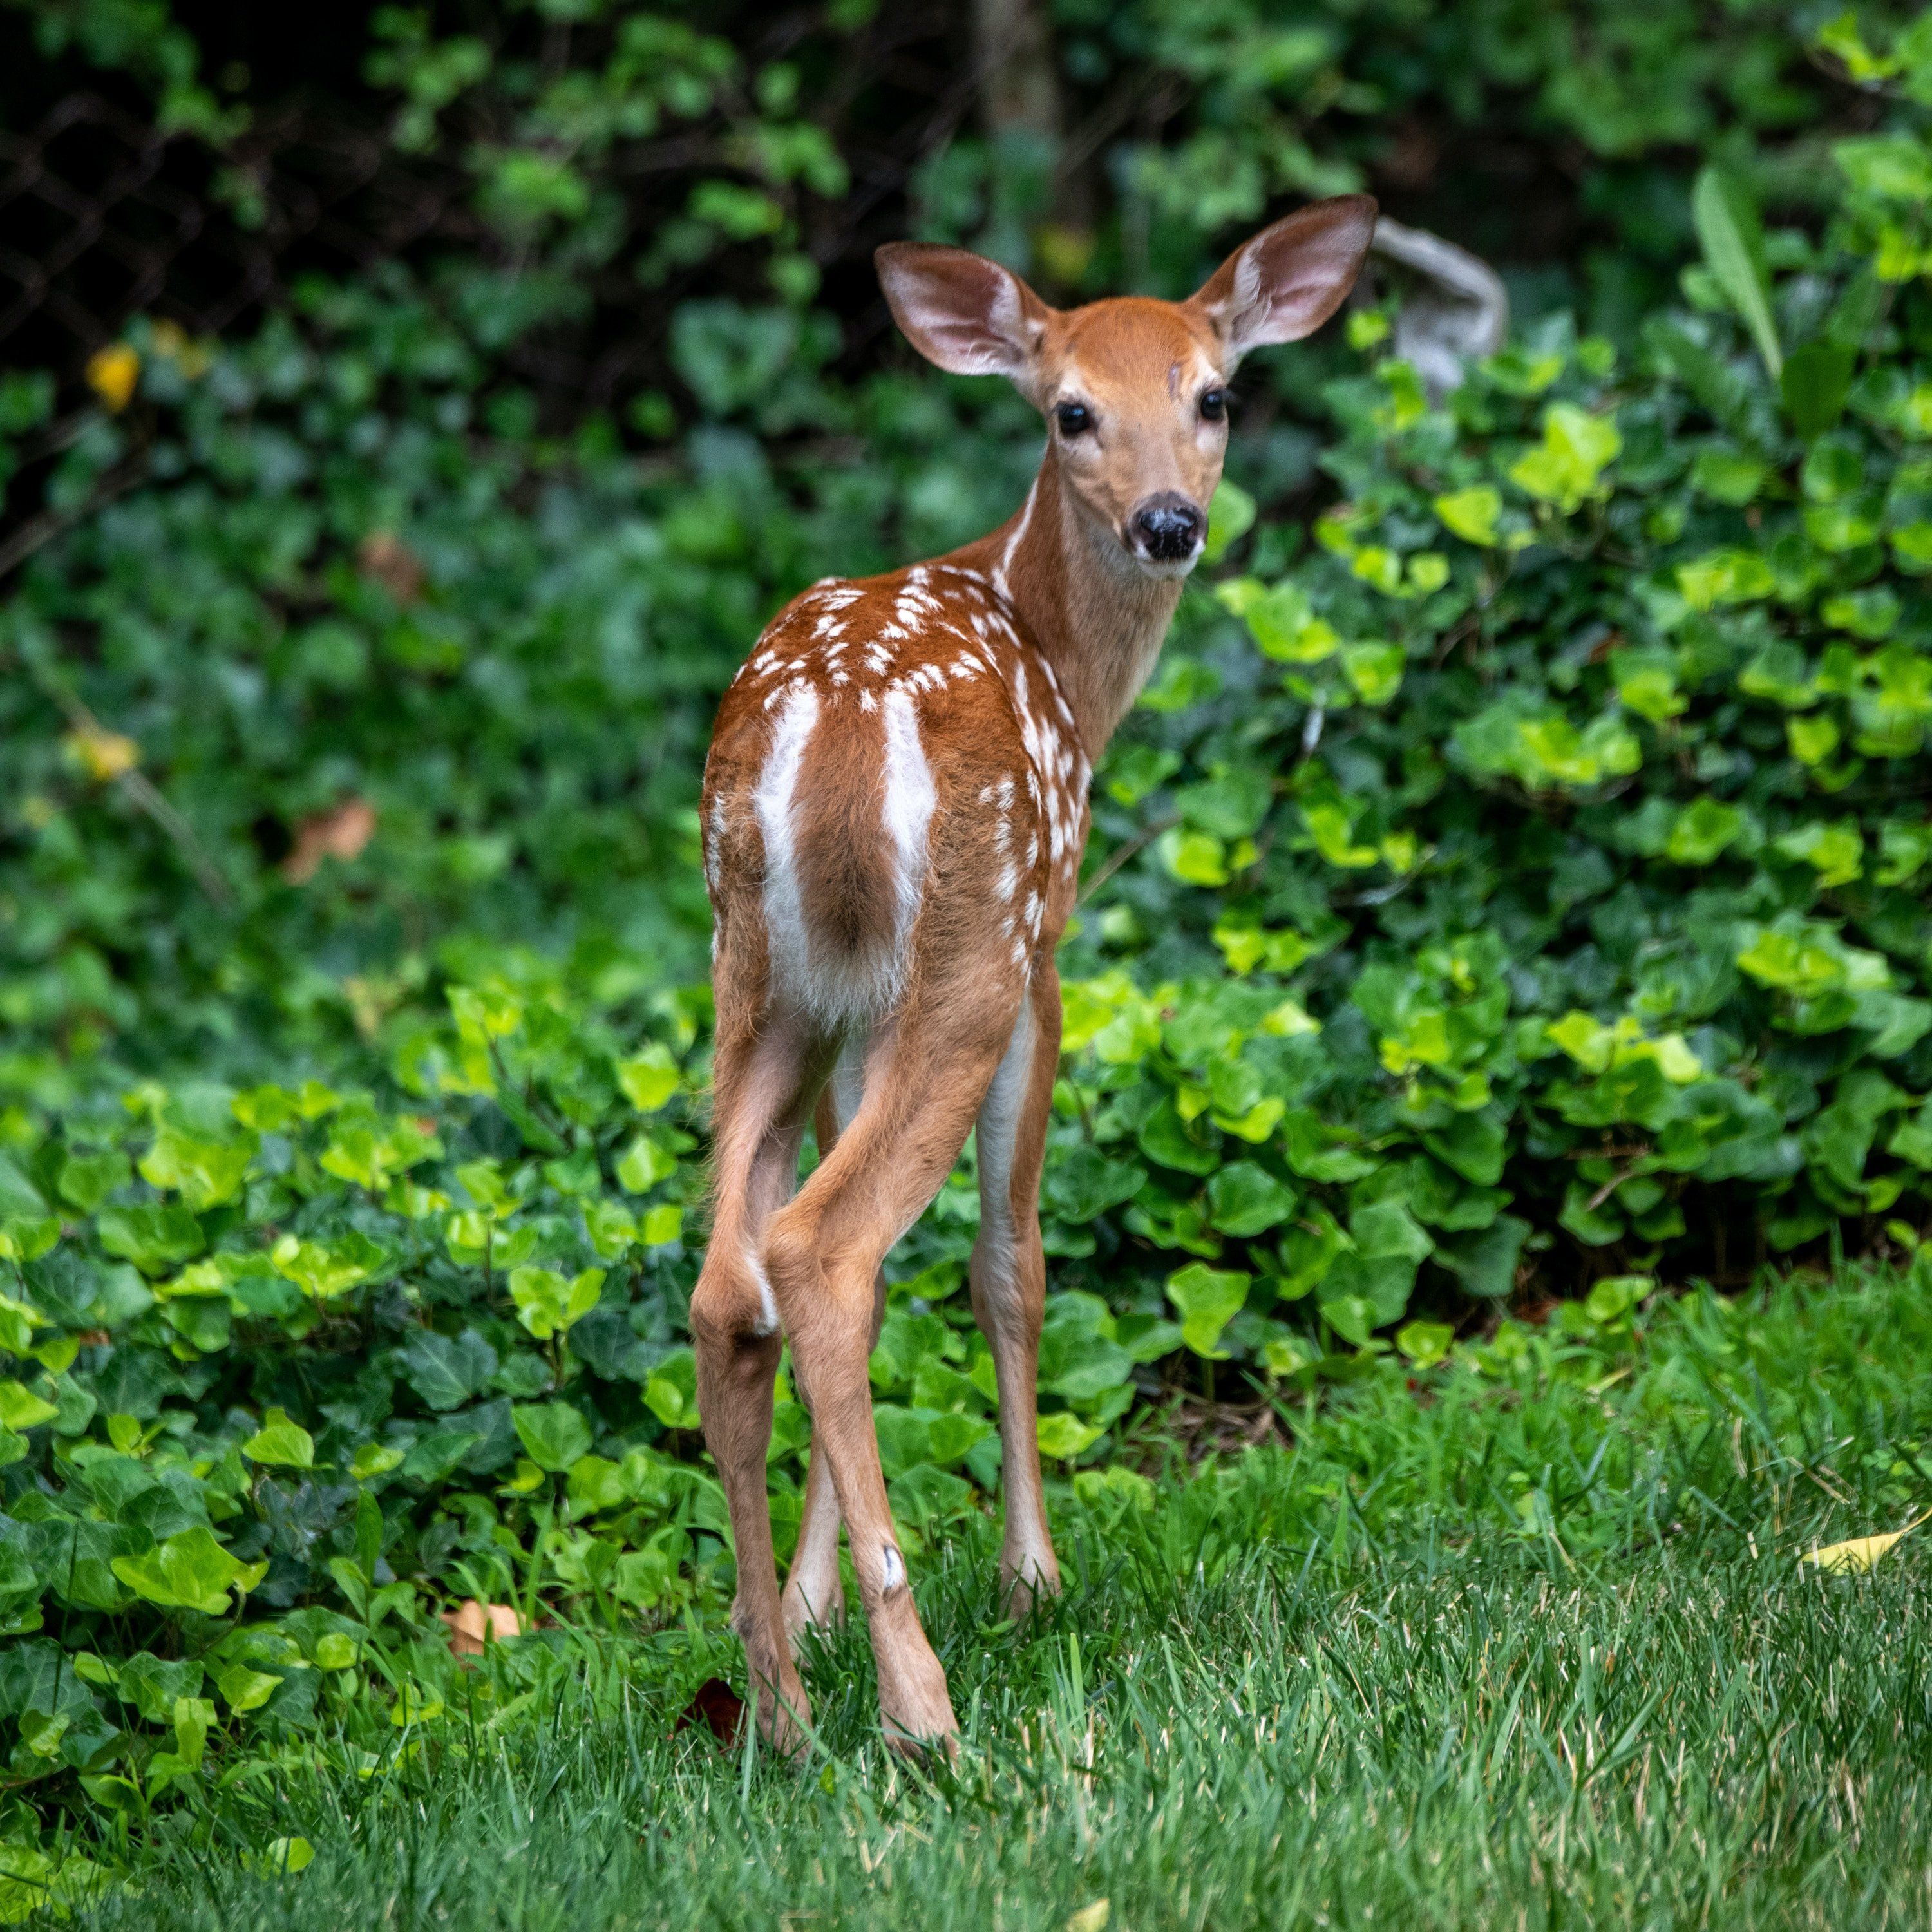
x=1530 y=1638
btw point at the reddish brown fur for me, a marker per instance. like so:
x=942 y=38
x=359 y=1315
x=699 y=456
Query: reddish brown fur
x=894 y=808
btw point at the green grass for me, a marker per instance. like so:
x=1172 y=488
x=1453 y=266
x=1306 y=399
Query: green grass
x=1528 y=1647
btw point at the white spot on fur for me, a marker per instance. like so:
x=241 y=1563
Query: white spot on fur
x=768 y=1307
x=1005 y=563
x=775 y=799
x=910 y=799
x=713 y=851
x=892 y=1569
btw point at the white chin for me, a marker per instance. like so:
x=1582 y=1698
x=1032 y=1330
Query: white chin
x=1165 y=569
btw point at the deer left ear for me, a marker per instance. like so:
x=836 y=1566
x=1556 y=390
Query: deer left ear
x=1291 y=278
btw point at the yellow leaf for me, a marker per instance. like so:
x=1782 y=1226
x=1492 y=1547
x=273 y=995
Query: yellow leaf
x=1091 y=1917
x=112 y=373
x=1860 y=1553
x=103 y=754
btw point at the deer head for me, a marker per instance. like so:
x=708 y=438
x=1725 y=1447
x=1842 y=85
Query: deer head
x=1134 y=390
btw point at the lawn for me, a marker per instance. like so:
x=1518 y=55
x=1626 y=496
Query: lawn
x=1526 y=1640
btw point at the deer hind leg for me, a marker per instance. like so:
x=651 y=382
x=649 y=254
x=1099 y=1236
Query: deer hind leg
x=1009 y=1278
x=762 y=1083
x=924 y=1083
x=814 y=1593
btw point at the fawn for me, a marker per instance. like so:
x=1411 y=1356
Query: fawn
x=894 y=808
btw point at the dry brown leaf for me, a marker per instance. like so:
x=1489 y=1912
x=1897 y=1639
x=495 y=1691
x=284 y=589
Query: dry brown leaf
x=716 y=1706
x=385 y=558
x=473 y=1625
x=339 y=833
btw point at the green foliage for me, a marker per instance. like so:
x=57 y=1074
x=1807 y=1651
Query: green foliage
x=1523 y=883
x=1570 y=929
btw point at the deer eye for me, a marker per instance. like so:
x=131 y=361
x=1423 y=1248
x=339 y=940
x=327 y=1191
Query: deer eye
x=1214 y=405
x=1074 y=418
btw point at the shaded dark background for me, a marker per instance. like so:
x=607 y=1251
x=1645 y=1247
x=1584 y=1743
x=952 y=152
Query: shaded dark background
x=1487 y=124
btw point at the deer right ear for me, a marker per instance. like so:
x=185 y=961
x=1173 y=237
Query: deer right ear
x=968 y=315
x=1291 y=278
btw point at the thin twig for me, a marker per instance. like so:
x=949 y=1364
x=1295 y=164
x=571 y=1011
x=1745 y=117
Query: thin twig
x=37 y=532
x=141 y=793
x=1121 y=854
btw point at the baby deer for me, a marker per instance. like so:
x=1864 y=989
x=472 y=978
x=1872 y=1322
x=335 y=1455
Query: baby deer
x=894 y=808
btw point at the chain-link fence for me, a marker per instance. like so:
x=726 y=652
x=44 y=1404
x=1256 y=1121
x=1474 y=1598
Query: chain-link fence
x=105 y=215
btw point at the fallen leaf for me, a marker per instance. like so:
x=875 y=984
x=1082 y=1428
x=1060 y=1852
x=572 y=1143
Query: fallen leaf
x=389 y=561
x=716 y=1705
x=339 y=833
x=473 y=1624
x=1860 y=1553
x=1091 y=1918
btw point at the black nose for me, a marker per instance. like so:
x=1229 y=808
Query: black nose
x=1168 y=526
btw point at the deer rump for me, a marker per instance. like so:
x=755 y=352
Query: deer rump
x=862 y=835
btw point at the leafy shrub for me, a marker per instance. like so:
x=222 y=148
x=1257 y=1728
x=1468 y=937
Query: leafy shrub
x=1558 y=817
x=1525 y=881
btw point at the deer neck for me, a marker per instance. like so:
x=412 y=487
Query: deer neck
x=1096 y=616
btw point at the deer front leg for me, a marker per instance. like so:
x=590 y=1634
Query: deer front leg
x=1009 y=1280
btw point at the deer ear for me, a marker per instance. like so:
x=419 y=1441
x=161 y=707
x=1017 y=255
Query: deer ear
x=961 y=311
x=1291 y=278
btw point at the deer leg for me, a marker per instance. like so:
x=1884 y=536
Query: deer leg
x=823 y=1253
x=814 y=1593
x=760 y=1082
x=1009 y=1278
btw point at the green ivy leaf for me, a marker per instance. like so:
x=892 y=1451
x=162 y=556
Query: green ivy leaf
x=1244 y=1198
x=649 y=1079
x=244 y=1688
x=280 y=1442
x=1577 y=448
x=555 y=1434
x=154 y=1238
x=1208 y=1300
x=644 y=1164
x=1230 y=516
x=671 y=1393
x=21 y=1409
x=1472 y=514
x=1486 y=1262
x=191 y=1571
x=205 y=1173
x=547 y=1304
